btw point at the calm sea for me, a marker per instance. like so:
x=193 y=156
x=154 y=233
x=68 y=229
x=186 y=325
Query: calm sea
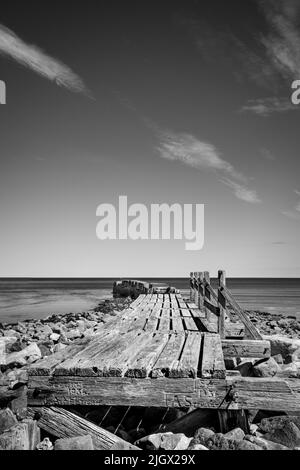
x=22 y=299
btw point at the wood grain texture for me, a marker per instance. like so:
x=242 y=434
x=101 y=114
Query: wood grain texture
x=62 y=423
x=246 y=348
x=256 y=393
x=212 y=365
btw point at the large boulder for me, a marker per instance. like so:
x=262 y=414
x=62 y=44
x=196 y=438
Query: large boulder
x=265 y=368
x=278 y=422
x=28 y=355
x=237 y=434
x=283 y=431
x=284 y=346
x=74 y=443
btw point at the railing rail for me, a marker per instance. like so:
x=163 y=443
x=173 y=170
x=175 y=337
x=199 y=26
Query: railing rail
x=220 y=303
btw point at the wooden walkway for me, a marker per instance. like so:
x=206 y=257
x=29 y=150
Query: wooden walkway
x=164 y=351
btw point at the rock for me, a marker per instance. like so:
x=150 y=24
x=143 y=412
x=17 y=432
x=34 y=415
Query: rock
x=202 y=435
x=264 y=444
x=55 y=337
x=265 y=368
x=283 y=323
x=46 y=444
x=11 y=333
x=7 y=420
x=73 y=334
x=219 y=442
x=278 y=422
x=151 y=442
x=16 y=438
x=291 y=370
x=28 y=355
x=253 y=429
x=278 y=358
x=81 y=325
x=58 y=347
x=288 y=435
x=74 y=443
x=283 y=345
x=246 y=445
x=46 y=347
x=170 y=441
x=166 y=441
x=197 y=447
x=237 y=434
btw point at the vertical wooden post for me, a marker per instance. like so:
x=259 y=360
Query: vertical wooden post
x=196 y=288
x=221 y=303
x=191 y=286
x=200 y=291
x=206 y=293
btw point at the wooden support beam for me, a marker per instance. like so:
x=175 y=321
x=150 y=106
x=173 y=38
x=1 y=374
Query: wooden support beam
x=230 y=393
x=62 y=423
x=250 y=328
x=232 y=419
x=246 y=348
x=196 y=289
x=189 y=423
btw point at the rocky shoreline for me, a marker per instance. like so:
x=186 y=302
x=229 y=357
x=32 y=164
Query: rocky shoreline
x=24 y=343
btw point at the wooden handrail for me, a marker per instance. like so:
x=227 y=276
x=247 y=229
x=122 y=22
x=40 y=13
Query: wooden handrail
x=253 y=332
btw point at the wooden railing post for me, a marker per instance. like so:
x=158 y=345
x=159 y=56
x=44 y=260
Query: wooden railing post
x=191 y=287
x=221 y=303
x=196 y=288
x=200 y=291
x=207 y=292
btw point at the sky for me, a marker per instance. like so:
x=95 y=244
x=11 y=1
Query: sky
x=183 y=102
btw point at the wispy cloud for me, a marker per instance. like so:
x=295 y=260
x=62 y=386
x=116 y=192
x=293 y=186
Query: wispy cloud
x=282 y=42
x=267 y=106
x=204 y=156
x=294 y=213
x=38 y=61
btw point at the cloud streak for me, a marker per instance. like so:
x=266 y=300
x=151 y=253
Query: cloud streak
x=200 y=155
x=282 y=43
x=295 y=213
x=267 y=106
x=38 y=61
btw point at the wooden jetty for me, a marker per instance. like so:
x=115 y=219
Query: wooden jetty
x=165 y=351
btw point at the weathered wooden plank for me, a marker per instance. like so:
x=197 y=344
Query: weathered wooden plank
x=256 y=393
x=188 y=362
x=246 y=348
x=234 y=330
x=147 y=356
x=62 y=423
x=253 y=332
x=177 y=324
x=91 y=360
x=190 y=324
x=168 y=359
x=212 y=357
x=47 y=365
